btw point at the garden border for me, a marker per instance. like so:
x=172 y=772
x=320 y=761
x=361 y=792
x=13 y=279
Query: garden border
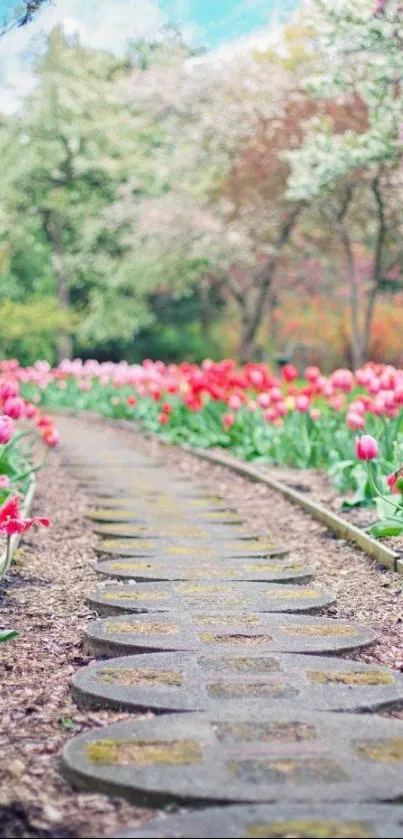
x=384 y=555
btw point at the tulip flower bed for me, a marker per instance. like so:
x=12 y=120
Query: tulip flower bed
x=309 y=423
x=19 y=460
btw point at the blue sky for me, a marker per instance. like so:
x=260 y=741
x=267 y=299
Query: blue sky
x=108 y=24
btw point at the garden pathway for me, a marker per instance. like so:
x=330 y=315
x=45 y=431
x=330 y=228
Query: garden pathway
x=207 y=599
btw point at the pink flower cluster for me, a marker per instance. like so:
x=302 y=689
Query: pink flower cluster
x=14 y=407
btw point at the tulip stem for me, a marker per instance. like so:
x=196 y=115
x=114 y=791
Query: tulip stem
x=7 y=560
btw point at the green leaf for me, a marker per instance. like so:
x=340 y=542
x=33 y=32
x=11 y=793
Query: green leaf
x=7 y=635
x=385 y=528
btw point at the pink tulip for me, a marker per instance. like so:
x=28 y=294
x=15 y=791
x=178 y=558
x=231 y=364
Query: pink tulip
x=270 y=415
x=263 y=400
x=343 y=380
x=378 y=407
x=337 y=401
x=355 y=421
x=374 y=386
x=6 y=429
x=14 y=407
x=9 y=390
x=4 y=481
x=234 y=402
x=314 y=414
x=275 y=394
x=364 y=376
x=301 y=403
x=281 y=408
x=228 y=420
x=256 y=377
x=356 y=407
x=30 y=410
x=366 y=447
x=312 y=374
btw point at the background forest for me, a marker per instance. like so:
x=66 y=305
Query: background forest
x=178 y=204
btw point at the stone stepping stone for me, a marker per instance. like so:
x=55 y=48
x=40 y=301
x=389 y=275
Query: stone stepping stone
x=146 y=568
x=186 y=530
x=183 y=549
x=166 y=682
x=242 y=756
x=232 y=633
x=219 y=517
x=301 y=821
x=174 y=597
x=103 y=514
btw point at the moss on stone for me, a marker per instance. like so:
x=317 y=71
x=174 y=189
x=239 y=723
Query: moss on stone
x=129 y=565
x=287 y=594
x=240 y=664
x=355 y=677
x=134 y=595
x=151 y=628
x=235 y=690
x=128 y=676
x=226 y=620
x=181 y=550
x=232 y=638
x=143 y=753
x=273 y=732
x=310 y=829
x=389 y=750
x=321 y=630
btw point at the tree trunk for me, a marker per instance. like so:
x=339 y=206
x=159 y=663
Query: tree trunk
x=262 y=281
x=53 y=227
x=377 y=264
x=357 y=356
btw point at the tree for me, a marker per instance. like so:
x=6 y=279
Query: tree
x=360 y=61
x=66 y=162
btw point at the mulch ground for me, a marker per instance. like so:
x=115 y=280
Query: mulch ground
x=43 y=598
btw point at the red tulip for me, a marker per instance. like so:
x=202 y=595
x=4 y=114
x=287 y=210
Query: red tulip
x=289 y=373
x=11 y=522
x=50 y=437
x=131 y=400
x=163 y=418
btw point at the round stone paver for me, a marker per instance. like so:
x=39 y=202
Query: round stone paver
x=188 y=682
x=183 y=548
x=174 y=597
x=301 y=821
x=193 y=568
x=242 y=756
x=179 y=531
x=223 y=632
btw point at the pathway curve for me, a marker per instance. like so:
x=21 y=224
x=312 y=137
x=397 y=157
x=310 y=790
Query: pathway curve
x=192 y=618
